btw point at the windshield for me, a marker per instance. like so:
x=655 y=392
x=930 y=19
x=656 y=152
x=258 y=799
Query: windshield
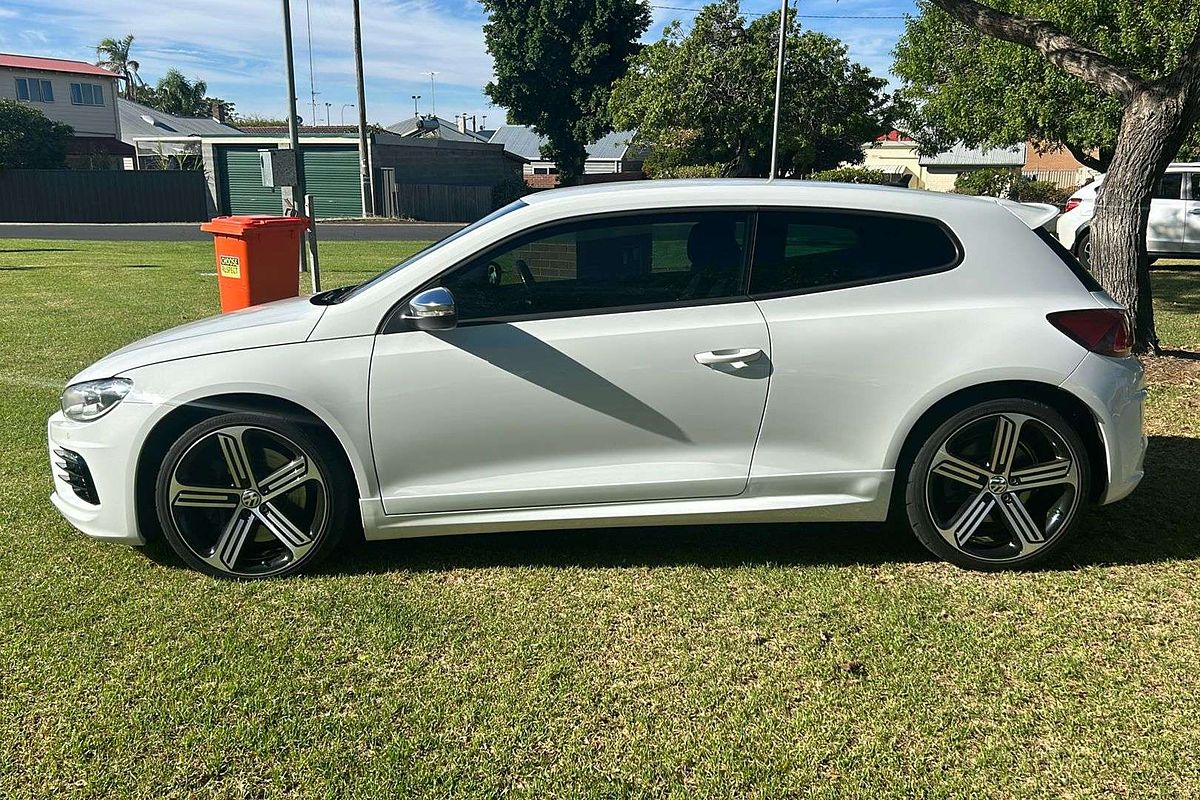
x=346 y=292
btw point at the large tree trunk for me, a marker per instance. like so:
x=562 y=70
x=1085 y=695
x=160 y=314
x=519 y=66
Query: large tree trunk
x=1152 y=129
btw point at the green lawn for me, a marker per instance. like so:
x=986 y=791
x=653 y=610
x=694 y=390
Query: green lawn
x=751 y=661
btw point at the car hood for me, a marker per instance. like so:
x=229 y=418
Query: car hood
x=281 y=322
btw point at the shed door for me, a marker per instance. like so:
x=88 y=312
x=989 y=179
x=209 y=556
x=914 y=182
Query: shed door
x=240 y=177
x=331 y=176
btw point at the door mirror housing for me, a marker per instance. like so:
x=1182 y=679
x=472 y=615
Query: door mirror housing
x=432 y=310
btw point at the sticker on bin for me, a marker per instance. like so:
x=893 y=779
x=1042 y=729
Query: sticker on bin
x=231 y=267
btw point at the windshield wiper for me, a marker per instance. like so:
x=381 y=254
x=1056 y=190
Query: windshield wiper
x=332 y=296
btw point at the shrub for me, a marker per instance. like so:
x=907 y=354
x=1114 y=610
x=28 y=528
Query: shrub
x=508 y=191
x=1040 y=192
x=854 y=175
x=28 y=140
x=988 y=182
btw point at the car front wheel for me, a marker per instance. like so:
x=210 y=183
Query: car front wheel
x=249 y=495
x=998 y=485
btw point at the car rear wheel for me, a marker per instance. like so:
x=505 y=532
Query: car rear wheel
x=249 y=496
x=1083 y=250
x=998 y=485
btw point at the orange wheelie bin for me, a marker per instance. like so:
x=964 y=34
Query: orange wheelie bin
x=258 y=258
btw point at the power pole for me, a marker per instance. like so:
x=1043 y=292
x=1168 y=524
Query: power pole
x=297 y=193
x=364 y=163
x=312 y=81
x=778 y=89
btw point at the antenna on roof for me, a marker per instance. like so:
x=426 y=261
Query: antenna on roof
x=778 y=89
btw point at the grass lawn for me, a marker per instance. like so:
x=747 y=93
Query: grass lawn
x=748 y=661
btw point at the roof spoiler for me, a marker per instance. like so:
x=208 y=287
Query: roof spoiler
x=1035 y=215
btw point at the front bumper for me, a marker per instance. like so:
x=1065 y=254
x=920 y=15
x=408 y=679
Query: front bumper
x=109 y=446
x=1115 y=390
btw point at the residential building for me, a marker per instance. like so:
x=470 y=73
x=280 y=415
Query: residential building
x=611 y=155
x=165 y=141
x=79 y=94
x=896 y=153
x=431 y=127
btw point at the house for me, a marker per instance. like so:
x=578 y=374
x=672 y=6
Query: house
x=165 y=141
x=896 y=153
x=79 y=94
x=401 y=169
x=1055 y=164
x=611 y=155
x=431 y=127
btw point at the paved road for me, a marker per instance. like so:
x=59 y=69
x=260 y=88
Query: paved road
x=190 y=231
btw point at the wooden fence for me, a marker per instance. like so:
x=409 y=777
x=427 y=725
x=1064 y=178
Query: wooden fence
x=431 y=202
x=1062 y=178
x=63 y=195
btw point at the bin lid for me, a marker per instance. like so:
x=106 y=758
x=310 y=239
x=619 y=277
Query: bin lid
x=240 y=224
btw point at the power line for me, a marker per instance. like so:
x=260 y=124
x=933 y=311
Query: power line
x=800 y=16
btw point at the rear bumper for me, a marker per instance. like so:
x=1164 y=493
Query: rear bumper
x=109 y=447
x=1115 y=390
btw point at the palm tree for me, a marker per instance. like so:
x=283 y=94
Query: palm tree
x=175 y=94
x=113 y=54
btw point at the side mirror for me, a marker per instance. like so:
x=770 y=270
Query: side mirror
x=432 y=310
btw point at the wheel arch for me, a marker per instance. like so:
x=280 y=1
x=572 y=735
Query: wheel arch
x=171 y=426
x=1071 y=407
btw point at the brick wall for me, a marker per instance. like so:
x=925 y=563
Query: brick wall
x=1055 y=159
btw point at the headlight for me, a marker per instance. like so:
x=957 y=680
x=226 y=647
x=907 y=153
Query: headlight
x=84 y=402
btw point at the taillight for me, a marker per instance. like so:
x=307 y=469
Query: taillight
x=1072 y=203
x=1102 y=330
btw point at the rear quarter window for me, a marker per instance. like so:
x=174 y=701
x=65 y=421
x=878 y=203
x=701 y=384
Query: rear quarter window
x=814 y=250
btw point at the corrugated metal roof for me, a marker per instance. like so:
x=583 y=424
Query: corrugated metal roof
x=521 y=140
x=446 y=130
x=53 y=65
x=134 y=124
x=960 y=156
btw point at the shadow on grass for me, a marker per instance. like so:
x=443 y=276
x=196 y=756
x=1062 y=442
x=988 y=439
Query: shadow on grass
x=39 y=249
x=19 y=269
x=1159 y=522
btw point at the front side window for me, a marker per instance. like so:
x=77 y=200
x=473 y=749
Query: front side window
x=803 y=251
x=627 y=262
x=87 y=94
x=35 y=90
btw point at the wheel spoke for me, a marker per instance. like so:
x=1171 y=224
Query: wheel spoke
x=229 y=545
x=1016 y=516
x=1004 y=443
x=204 y=497
x=970 y=518
x=237 y=460
x=287 y=478
x=956 y=469
x=282 y=528
x=1050 y=473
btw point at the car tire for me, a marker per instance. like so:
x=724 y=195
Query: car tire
x=247 y=496
x=1000 y=485
x=1083 y=250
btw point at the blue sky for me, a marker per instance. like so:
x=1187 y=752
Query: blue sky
x=236 y=45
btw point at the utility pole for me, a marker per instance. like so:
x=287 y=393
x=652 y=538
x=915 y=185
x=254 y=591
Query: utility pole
x=327 y=107
x=312 y=81
x=432 y=94
x=416 y=111
x=344 y=107
x=296 y=193
x=778 y=89
x=364 y=161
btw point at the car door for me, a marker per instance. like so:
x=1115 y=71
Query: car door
x=595 y=361
x=1166 y=231
x=1192 y=217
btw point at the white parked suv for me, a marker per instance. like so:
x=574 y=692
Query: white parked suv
x=1174 y=226
x=666 y=352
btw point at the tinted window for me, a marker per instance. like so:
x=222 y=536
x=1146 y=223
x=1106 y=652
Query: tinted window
x=1195 y=179
x=1170 y=187
x=798 y=251
x=641 y=260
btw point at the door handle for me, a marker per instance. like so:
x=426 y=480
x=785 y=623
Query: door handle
x=1194 y=211
x=737 y=358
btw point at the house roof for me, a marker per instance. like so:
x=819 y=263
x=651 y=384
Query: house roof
x=141 y=122
x=961 y=156
x=16 y=61
x=521 y=140
x=446 y=130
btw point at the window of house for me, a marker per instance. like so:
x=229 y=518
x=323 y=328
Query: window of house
x=802 y=251
x=596 y=265
x=545 y=170
x=35 y=90
x=87 y=94
x=1170 y=187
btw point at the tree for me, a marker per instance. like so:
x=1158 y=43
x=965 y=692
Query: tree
x=964 y=86
x=115 y=55
x=175 y=94
x=1145 y=60
x=29 y=140
x=707 y=97
x=555 y=63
